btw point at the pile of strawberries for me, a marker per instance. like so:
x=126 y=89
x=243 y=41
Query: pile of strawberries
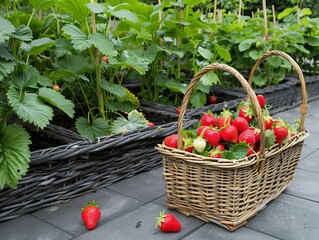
x=233 y=134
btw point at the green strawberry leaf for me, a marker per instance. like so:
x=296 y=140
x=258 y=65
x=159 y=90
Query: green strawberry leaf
x=38 y=46
x=92 y=130
x=135 y=120
x=57 y=99
x=78 y=37
x=105 y=45
x=270 y=138
x=14 y=155
x=237 y=151
x=30 y=107
x=227 y=154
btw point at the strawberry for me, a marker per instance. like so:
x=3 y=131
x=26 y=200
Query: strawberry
x=56 y=87
x=261 y=99
x=199 y=144
x=201 y=129
x=208 y=119
x=250 y=151
x=212 y=136
x=105 y=59
x=151 y=124
x=229 y=134
x=171 y=141
x=217 y=151
x=248 y=137
x=246 y=112
x=268 y=121
x=241 y=124
x=212 y=99
x=189 y=149
x=168 y=222
x=223 y=121
x=281 y=132
x=91 y=214
x=256 y=133
x=178 y=110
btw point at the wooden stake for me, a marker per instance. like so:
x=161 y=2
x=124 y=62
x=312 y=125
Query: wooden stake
x=265 y=20
x=274 y=16
x=215 y=8
x=239 y=10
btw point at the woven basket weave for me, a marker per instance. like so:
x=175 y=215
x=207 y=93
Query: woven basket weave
x=229 y=192
x=61 y=173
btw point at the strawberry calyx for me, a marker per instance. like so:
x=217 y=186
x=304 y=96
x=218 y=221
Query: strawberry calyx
x=90 y=204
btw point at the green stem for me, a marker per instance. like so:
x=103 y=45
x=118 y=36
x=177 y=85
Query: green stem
x=30 y=19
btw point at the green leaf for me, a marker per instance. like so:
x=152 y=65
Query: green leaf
x=295 y=37
x=4 y=108
x=113 y=88
x=301 y=48
x=227 y=154
x=125 y=14
x=198 y=99
x=96 y=7
x=77 y=9
x=135 y=120
x=313 y=41
x=38 y=46
x=57 y=99
x=237 y=151
x=5 y=53
x=254 y=54
x=222 y=52
x=105 y=45
x=209 y=79
x=14 y=155
x=23 y=33
x=92 y=130
x=78 y=37
x=285 y=13
x=6 y=29
x=41 y=4
x=246 y=44
x=73 y=63
x=274 y=61
x=205 y=53
x=131 y=60
x=125 y=106
x=172 y=85
x=6 y=68
x=270 y=138
x=29 y=107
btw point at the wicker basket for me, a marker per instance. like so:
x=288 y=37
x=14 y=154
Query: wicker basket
x=229 y=192
x=61 y=173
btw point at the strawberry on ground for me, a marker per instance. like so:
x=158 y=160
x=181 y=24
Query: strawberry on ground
x=167 y=222
x=171 y=141
x=241 y=124
x=91 y=214
x=229 y=134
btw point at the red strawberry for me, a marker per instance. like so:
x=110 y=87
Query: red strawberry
x=256 y=133
x=217 y=151
x=178 y=110
x=246 y=112
x=223 y=121
x=229 y=134
x=189 y=149
x=151 y=124
x=281 y=133
x=91 y=215
x=241 y=124
x=208 y=119
x=268 y=123
x=250 y=151
x=171 y=141
x=201 y=129
x=212 y=136
x=168 y=222
x=261 y=99
x=248 y=137
x=212 y=99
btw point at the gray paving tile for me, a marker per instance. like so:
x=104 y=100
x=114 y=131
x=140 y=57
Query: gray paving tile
x=28 y=227
x=214 y=232
x=310 y=162
x=161 y=201
x=288 y=218
x=305 y=185
x=312 y=140
x=67 y=216
x=145 y=186
x=306 y=151
x=140 y=224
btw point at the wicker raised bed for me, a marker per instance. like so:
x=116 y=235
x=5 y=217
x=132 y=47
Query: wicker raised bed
x=229 y=192
x=58 y=174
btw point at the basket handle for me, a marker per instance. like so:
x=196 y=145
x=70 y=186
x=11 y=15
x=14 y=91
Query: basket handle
x=246 y=86
x=303 y=105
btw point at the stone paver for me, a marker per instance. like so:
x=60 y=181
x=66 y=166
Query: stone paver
x=288 y=218
x=28 y=227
